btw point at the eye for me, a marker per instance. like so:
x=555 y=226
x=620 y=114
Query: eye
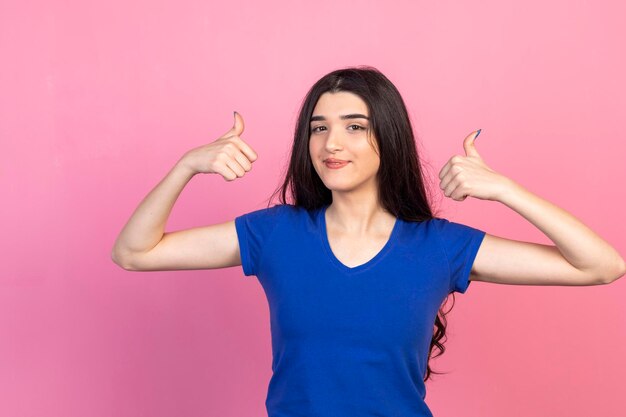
x=315 y=129
x=357 y=127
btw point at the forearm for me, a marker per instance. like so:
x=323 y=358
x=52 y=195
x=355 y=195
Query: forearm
x=580 y=245
x=145 y=228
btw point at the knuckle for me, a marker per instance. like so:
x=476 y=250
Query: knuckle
x=456 y=169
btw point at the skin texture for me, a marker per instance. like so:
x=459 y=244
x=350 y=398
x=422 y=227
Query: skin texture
x=356 y=225
x=579 y=256
x=355 y=209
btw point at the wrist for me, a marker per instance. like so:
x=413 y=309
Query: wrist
x=183 y=169
x=510 y=191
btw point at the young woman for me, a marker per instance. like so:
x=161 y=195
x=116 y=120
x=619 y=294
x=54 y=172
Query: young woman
x=356 y=268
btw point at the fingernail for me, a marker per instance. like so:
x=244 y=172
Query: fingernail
x=478 y=133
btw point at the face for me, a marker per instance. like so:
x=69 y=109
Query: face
x=339 y=129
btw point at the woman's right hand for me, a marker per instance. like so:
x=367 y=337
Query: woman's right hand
x=228 y=155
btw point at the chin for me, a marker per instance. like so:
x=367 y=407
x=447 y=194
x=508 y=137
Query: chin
x=335 y=186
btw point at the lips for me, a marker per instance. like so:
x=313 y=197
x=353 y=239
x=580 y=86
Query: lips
x=330 y=163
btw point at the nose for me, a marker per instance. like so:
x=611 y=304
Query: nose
x=333 y=140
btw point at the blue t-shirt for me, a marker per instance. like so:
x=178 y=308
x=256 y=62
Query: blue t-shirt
x=351 y=341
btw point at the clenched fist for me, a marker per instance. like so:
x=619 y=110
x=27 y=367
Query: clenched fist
x=469 y=175
x=228 y=155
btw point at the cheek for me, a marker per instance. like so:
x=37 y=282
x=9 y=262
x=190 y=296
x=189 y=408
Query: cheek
x=375 y=154
x=373 y=161
x=370 y=152
x=373 y=145
x=314 y=154
x=375 y=164
x=313 y=146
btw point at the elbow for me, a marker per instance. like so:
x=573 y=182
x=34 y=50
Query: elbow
x=622 y=269
x=120 y=261
x=618 y=272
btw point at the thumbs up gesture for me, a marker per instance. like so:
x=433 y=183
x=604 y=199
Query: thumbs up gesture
x=228 y=155
x=469 y=175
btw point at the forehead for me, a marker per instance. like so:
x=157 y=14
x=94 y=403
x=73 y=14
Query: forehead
x=341 y=102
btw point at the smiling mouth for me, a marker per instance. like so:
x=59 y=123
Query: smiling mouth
x=336 y=164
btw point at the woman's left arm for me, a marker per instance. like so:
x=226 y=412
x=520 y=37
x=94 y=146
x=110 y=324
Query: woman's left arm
x=580 y=257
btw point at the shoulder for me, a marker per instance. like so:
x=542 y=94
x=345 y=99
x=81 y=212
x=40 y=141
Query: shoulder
x=456 y=237
x=453 y=236
x=445 y=226
x=273 y=215
x=273 y=211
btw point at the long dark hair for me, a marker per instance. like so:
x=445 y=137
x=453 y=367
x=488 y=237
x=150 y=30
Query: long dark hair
x=402 y=190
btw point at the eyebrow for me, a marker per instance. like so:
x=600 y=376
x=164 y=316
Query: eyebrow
x=347 y=116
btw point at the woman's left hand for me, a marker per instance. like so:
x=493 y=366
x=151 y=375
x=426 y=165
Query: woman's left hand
x=464 y=176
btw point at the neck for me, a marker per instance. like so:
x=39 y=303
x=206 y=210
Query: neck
x=358 y=216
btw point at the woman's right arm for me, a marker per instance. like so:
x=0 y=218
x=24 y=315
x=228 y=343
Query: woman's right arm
x=142 y=245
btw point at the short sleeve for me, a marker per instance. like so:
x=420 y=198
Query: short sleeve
x=254 y=231
x=460 y=243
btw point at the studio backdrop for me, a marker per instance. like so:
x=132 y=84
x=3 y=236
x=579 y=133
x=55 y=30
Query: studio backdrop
x=98 y=101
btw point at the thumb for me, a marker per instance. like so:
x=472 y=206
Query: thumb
x=238 y=127
x=469 y=146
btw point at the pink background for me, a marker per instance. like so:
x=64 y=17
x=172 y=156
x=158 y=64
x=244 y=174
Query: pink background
x=99 y=99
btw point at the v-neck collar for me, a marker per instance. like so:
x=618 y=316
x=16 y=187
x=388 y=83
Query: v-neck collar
x=321 y=222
